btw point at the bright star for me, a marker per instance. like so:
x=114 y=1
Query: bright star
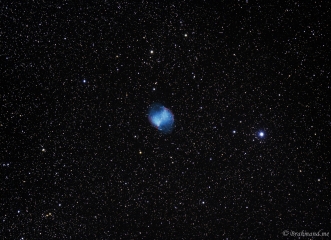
x=261 y=134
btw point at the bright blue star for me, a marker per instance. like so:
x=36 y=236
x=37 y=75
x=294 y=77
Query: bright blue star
x=84 y=81
x=261 y=134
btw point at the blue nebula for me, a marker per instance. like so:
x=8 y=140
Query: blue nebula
x=161 y=118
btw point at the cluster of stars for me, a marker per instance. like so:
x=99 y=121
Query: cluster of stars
x=80 y=159
x=260 y=134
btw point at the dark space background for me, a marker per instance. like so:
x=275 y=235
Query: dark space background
x=80 y=160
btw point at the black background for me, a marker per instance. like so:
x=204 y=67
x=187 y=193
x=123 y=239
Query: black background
x=79 y=159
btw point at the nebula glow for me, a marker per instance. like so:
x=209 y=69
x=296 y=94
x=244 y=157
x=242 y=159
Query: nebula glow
x=161 y=118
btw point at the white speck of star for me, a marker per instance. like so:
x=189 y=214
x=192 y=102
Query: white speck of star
x=185 y=34
x=152 y=51
x=261 y=134
x=234 y=131
x=84 y=80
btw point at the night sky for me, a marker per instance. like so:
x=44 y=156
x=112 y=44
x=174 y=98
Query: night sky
x=248 y=84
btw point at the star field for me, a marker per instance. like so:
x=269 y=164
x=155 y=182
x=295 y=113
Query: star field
x=248 y=84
